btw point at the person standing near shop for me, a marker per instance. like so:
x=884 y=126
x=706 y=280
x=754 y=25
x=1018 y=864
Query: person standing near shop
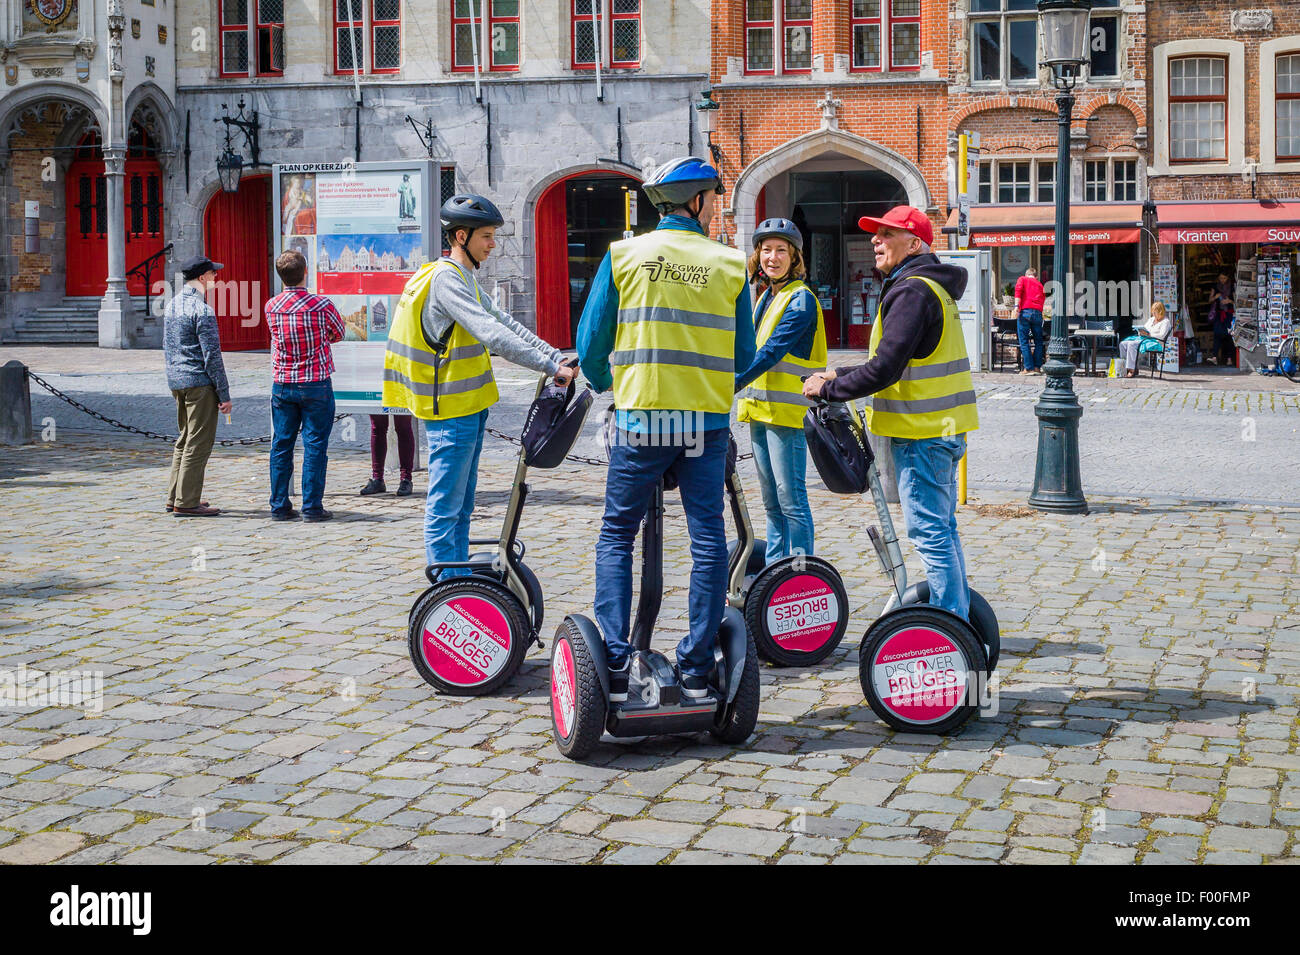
x=379 y=453
x=1030 y=299
x=924 y=396
x=791 y=344
x=196 y=376
x=437 y=367
x=1222 y=311
x=669 y=312
x=302 y=325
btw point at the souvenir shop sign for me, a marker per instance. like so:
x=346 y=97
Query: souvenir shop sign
x=1212 y=223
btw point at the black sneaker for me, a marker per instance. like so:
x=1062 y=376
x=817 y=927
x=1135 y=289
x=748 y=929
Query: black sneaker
x=618 y=683
x=404 y=488
x=289 y=515
x=694 y=687
x=374 y=486
x=315 y=517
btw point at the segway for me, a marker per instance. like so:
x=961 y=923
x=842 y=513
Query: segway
x=922 y=668
x=795 y=609
x=580 y=706
x=467 y=635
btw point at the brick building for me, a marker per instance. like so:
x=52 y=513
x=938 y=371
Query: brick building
x=1225 y=157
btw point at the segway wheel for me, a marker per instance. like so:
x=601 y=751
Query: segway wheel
x=921 y=669
x=577 y=700
x=737 y=719
x=982 y=617
x=467 y=636
x=797 y=611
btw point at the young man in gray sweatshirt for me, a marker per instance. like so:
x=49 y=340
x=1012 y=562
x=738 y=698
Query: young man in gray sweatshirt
x=196 y=376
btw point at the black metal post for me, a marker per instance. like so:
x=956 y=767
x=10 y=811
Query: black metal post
x=1058 y=485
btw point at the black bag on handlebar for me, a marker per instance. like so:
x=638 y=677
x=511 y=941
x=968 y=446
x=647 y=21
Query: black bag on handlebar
x=839 y=447
x=553 y=424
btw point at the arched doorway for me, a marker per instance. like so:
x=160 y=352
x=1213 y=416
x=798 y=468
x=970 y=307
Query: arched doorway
x=87 y=212
x=577 y=218
x=236 y=233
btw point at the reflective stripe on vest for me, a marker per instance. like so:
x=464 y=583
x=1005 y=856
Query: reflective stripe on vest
x=936 y=395
x=462 y=380
x=776 y=396
x=676 y=340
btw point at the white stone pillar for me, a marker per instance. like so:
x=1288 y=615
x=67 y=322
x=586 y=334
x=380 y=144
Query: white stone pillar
x=116 y=316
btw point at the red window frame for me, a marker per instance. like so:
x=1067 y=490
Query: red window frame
x=574 y=19
x=877 y=21
x=485 y=21
x=222 y=30
x=786 y=25
x=357 y=24
x=614 y=17
x=778 y=43
x=893 y=21
x=375 y=24
x=253 y=19
x=1281 y=96
x=1172 y=99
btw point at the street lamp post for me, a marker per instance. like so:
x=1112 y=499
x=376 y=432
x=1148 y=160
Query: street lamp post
x=1058 y=485
x=707 y=109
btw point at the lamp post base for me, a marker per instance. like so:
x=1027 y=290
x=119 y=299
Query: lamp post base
x=1058 y=484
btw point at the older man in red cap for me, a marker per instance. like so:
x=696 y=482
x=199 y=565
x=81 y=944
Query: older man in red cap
x=924 y=399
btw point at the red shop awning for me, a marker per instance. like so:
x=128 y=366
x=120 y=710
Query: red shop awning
x=1102 y=223
x=1249 y=220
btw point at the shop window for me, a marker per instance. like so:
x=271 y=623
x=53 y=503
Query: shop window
x=1103 y=40
x=619 y=25
x=1046 y=191
x=796 y=28
x=1004 y=41
x=1288 y=106
x=495 y=24
x=256 y=26
x=1094 y=181
x=1198 y=109
x=1013 y=182
x=759 y=26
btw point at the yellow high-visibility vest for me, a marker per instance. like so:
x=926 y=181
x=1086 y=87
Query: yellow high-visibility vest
x=675 y=346
x=463 y=379
x=776 y=396
x=936 y=395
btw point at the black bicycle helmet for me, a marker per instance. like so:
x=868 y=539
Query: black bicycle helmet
x=778 y=229
x=468 y=211
x=678 y=181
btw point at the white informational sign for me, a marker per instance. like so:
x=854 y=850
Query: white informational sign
x=364 y=228
x=974 y=306
x=963 y=222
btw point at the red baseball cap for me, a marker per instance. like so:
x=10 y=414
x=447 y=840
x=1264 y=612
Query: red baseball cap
x=908 y=218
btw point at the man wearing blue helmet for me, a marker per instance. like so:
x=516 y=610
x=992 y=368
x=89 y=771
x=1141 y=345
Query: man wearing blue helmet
x=670 y=312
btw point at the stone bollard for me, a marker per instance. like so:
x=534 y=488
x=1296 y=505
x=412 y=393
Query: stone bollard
x=15 y=404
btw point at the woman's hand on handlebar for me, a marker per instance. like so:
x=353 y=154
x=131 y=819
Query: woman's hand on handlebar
x=813 y=384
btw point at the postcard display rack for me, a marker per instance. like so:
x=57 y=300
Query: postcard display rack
x=1275 y=319
x=1164 y=289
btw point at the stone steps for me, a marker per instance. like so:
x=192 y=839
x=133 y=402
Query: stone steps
x=74 y=321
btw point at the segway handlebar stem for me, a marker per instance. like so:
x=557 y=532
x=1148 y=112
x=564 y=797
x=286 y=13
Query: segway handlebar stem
x=652 y=571
x=745 y=537
x=897 y=570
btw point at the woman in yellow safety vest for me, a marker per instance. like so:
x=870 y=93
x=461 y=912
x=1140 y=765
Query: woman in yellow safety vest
x=791 y=346
x=438 y=366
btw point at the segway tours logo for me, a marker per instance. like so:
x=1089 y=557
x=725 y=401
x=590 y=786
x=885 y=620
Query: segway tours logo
x=36 y=688
x=661 y=270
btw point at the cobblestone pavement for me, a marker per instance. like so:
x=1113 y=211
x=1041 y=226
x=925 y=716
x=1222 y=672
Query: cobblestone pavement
x=259 y=706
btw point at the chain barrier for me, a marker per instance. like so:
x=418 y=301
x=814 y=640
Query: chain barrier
x=265 y=439
x=171 y=439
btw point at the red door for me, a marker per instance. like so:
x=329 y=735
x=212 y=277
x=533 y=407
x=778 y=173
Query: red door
x=551 y=240
x=87 y=230
x=144 y=220
x=236 y=233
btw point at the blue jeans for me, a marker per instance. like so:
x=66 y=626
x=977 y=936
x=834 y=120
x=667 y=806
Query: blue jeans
x=781 y=455
x=454 y=448
x=1030 y=325
x=307 y=405
x=927 y=488
x=633 y=472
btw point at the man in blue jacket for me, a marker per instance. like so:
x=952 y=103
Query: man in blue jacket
x=670 y=311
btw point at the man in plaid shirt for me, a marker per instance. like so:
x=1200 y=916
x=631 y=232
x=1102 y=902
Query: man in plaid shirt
x=302 y=327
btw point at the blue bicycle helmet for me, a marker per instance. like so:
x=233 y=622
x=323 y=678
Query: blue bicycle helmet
x=468 y=211
x=678 y=181
x=778 y=229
